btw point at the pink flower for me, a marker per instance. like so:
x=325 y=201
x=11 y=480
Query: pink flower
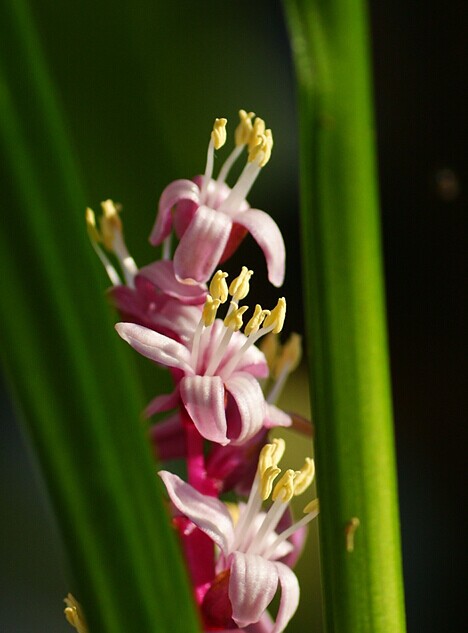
x=250 y=566
x=211 y=219
x=220 y=366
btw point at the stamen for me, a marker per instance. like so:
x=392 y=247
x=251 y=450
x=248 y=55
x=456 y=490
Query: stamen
x=273 y=322
x=260 y=151
x=287 y=362
x=271 y=520
x=311 y=510
x=233 y=323
x=218 y=286
x=74 y=614
x=258 y=129
x=218 y=135
x=242 y=136
x=206 y=320
x=244 y=130
x=240 y=286
x=266 y=481
x=209 y=310
x=113 y=240
x=304 y=477
x=276 y=317
x=284 y=489
x=217 y=140
x=271 y=454
x=270 y=347
x=95 y=238
x=257 y=319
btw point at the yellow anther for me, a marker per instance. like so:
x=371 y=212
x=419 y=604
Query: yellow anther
x=218 y=286
x=279 y=446
x=233 y=321
x=276 y=316
x=271 y=454
x=74 y=614
x=110 y=223
x=312 y=507
x=91 y=224
x=218 y=135
x=209 y=310
x=290 y=356
x=244 y=129
x=304 y=477
x=284 y=489
x=260 y=152
x=270 y=347
x=258 y=129
x=257 y=319
x=266 y=482
x=240 y=286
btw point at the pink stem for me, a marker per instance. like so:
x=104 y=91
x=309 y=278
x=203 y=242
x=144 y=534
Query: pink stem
x=196 y=469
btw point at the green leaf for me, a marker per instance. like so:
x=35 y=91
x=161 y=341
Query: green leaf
x=69 y=372
x=346 y=318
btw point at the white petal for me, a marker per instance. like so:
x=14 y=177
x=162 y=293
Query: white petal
x=252 y=586
x=289 y=597
x=203 y=397
x=266 y=233
x=250 y=402
x=154 y=346
x=208 y=513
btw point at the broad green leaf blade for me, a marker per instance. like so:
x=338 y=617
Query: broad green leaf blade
x=346 y=319
x=69 y=372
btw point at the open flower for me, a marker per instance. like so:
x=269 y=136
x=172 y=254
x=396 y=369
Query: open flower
x=210 y=218
x=151 y=296
x=219 y=369
x=249 y=568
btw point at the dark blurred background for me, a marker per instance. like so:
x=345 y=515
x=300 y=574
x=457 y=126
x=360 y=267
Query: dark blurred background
x=139 y=86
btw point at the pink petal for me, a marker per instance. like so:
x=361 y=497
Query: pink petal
x=266 y=233
x=252 y=360
x=168 y=438
x=264 y=625
x=250 y=404
x=165 y=402
x=252 y=587
x=203 y=397
x=154 y=346
x=200 y=248
x=289 y=597
x=275 y=417
x=172 y=194
x=210 y=514
x=161 y=274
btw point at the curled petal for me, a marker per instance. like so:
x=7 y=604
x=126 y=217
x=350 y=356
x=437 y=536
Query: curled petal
x=276 y=417
x=203 y=398
x=208 y=513
x=202 y=245
x=172 y=194
x=266 y=233
x=154 y=346
x=252 y=586
x=249 y=407
x=289 y=597
x=161 y=274
x=165 y=402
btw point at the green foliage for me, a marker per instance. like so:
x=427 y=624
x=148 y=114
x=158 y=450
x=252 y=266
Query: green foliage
x=346 y=318
x=70 y=375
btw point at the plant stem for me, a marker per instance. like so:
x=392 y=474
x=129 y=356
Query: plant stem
x=359 y=525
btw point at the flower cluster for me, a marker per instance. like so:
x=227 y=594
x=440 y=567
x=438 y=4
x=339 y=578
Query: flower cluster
x=222 y=405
